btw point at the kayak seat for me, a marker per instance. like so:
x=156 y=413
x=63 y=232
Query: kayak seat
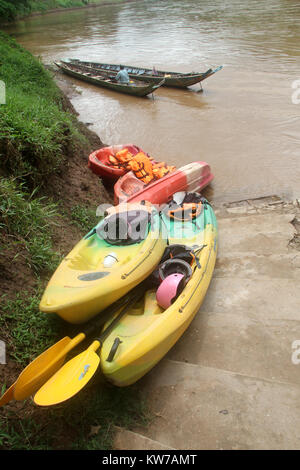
x=125 y=228
x=139 y=224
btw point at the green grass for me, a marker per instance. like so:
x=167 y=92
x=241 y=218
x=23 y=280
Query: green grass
x=36 y=136
x=27 y=221
x=84 y=423
x=28 y=331
x=84 y=218
x=35 y=132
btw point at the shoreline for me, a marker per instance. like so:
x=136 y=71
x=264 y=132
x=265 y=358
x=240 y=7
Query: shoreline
x=62 y=9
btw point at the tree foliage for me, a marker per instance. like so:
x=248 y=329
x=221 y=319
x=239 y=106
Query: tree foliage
x=9 y=10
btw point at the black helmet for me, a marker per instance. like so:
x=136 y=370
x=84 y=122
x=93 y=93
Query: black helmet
x=175 y=265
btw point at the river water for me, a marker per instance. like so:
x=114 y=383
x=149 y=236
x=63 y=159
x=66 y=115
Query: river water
x=245 y=123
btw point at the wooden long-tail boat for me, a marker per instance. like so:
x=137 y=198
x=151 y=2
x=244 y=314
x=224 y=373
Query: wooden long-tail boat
x=171 y=79
x=107 y=80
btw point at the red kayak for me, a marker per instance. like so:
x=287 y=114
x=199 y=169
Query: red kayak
x=191 y=177
x=99 y=161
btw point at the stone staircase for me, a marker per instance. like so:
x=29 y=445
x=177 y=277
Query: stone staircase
x=230 y=382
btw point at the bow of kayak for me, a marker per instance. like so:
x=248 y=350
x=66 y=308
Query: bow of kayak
x=98 y=272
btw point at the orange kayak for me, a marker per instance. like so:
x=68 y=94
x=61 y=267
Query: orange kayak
x=191 y=177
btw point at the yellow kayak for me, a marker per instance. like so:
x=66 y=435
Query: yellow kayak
x=119 y=253
x=147 y=331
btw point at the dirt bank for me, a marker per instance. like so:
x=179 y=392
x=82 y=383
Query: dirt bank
x=48 y=202
x=74 y=185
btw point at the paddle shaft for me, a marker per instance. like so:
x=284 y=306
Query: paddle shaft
x=129 y=304
x=97 y=343
x=107 y=313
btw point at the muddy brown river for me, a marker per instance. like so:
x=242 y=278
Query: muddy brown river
x=245 y=123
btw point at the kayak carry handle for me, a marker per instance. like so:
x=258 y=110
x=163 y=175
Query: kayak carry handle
x=113 y=350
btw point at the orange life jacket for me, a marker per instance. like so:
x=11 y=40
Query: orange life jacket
x=161 y=169
x=121 y=158
x=113 y=160
x=141 y=165
x=187 y=211
x=124 y=155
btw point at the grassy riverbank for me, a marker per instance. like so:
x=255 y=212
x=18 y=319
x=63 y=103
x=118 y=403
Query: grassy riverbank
x=48 y=200
x=35 y=131
x=19 y=8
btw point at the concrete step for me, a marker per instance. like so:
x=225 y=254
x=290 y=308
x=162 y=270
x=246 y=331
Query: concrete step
x=252 y=266
x=129 y=440
x=207 y=408
x=260 y=234
x=261 y=299
x=264 y=205
x=237 y=343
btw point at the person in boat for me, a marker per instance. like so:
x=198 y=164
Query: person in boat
x=122 y=75
x=154 y=71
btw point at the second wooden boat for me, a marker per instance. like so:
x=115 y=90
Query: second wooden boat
x=171 y=79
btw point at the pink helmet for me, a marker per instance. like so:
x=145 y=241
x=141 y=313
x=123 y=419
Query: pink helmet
x=169 y=289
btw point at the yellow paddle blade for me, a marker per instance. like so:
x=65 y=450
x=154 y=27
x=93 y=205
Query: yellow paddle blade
x=8 y=395
x=70 y=379
x=43 y=367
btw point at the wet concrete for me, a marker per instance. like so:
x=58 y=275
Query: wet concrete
x=230 y=381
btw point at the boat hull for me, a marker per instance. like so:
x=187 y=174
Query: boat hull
x=129 y=89
x=192 y=177
x=98 y=161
